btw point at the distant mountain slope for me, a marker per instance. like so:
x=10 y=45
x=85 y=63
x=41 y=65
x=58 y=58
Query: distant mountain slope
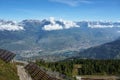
x=109 y=50
x=8 y=71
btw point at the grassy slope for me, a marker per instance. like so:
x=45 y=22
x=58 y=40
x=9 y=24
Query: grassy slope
x=8 y=71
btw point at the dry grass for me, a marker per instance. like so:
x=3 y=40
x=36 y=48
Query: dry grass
x=8 y=71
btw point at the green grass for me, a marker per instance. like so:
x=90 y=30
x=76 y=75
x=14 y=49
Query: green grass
x=8 y=71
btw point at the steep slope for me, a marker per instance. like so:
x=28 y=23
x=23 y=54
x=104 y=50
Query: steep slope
x=109 y=50
x=8 y=71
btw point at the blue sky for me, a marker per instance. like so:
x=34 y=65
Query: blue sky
x=75 y=10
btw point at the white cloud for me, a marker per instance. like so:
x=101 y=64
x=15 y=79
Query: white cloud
x=72 y=2
x=10 y=27
x=98 y=25
x=56 y=26
x=52 y=27
x=52 y=20
x=118 y=31
x=69 y=24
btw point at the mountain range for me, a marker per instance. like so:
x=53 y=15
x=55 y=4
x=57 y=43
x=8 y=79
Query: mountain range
x=40 y=38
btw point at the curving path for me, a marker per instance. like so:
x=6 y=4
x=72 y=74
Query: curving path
x=22 y=74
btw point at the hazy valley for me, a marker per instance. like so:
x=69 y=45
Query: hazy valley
x=43 y=38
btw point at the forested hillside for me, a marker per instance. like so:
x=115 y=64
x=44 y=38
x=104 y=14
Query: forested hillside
x=84 y=67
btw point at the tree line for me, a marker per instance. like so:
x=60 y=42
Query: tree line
x=88 y=66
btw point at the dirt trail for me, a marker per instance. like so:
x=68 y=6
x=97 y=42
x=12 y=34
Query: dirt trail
x=22 y=74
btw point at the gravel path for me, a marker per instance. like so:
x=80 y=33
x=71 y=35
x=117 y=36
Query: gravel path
x=22 y=74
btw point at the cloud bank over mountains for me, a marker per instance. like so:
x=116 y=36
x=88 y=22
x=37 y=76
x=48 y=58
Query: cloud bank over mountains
x=56 y=26
x=53 y=24
x=103 y=24
x=9 y=26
